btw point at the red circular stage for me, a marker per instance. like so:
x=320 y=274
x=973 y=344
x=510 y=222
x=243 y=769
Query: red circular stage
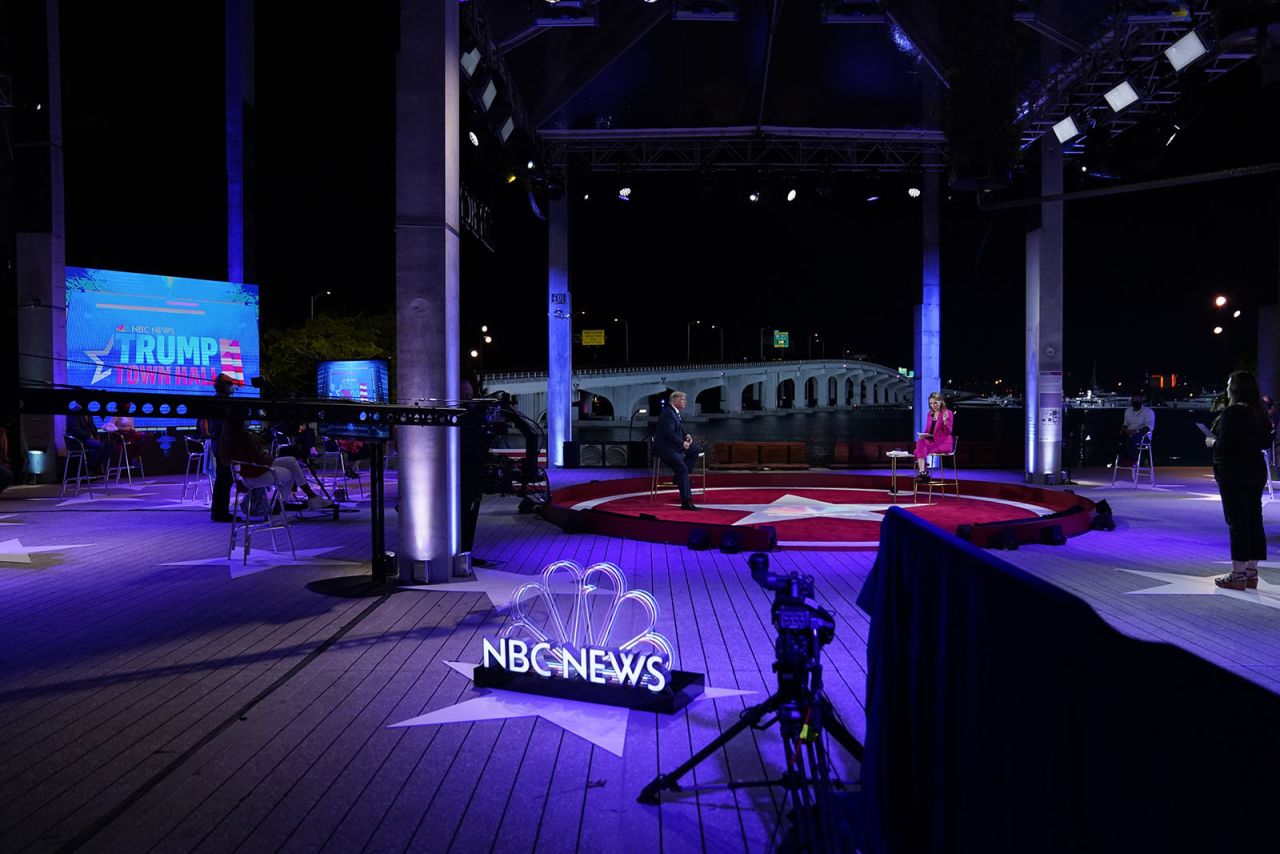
x=813 y=510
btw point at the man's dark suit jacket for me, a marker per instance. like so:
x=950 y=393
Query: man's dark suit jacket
x=668 y=438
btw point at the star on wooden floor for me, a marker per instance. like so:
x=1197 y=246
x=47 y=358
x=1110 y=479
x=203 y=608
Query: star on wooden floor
x=603 y=726
x=263 y=558
x=1267 y=594
x=13 y=551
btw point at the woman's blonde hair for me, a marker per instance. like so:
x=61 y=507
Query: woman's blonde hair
x=937 y=395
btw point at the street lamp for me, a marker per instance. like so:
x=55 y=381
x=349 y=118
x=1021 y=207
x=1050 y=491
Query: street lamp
x=822 y=344
x=640 y=411
x=315 y=297
x=719 y=327
x=626 y=337
x=688 y=339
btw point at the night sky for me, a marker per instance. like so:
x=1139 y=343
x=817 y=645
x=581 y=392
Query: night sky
x=143 y=122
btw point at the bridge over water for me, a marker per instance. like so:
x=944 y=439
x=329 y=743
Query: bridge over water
x=729 y=386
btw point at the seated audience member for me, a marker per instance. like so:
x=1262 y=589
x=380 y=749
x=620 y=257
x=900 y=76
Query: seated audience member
x=80 y=426
x=6 y=473
x=239 y=444
x=1139 y=420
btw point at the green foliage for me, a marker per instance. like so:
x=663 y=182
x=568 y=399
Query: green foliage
x=289 y=356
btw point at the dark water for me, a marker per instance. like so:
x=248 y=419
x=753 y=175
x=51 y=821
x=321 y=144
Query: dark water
x=1091 y=433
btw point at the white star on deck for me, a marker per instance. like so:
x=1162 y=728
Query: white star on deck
x=497 y=585
x=1267 y=594
x=603 y=726
x=87 y=498
x=789 y=508
x=13 y=551
x=261 y=558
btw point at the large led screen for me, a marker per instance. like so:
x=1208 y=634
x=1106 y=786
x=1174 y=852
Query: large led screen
x=135 y=332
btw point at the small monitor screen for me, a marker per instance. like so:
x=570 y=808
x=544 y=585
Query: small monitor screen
x=356 y=381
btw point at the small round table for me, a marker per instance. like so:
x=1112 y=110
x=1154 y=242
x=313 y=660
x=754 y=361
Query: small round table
x=894 y=456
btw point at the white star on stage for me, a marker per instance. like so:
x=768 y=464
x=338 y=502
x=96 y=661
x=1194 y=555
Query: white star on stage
x=497 y=585
x=13 y=551
x=260 y=559
x=789 y=507
x=1267 y=594
x=603 y=726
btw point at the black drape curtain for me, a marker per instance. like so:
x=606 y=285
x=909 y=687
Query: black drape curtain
x=1004 y=715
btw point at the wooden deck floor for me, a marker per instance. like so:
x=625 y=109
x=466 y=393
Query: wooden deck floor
x=150 y=703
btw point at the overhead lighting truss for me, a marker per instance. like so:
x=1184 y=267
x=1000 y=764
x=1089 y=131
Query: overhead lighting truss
x=1133 y=48
x=793 y=150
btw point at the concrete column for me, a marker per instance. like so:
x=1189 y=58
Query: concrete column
x=41 y=280
x=928 y=365
x=427 y=283
x=560 y=396
x=1044 y=409
x=239 y=73
x=769 y=392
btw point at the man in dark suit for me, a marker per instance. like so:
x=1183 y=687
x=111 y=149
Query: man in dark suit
x=223 y=386
x=675 y=447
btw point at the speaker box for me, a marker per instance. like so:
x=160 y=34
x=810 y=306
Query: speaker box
x=588 y=455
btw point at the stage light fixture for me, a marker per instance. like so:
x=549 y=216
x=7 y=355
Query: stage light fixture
x=1005 y=539
x=873 y=198
x=1186 y=50
x=913 y=192
x=488 y=95
x=1220 y=301
x=475 y=354
x=565 y=13
x=475 y=140
x=753 y=196
x=850 y=12
x=1052 y=535
x=586 y=197
x=1237 y=313
x=1066 y=130
x=791 y=195
x=1217 y=330
x=699 y=540
x=470 y=61
x=624 y=193
x=704 y=10
x=730 y=542
x=1123 y=94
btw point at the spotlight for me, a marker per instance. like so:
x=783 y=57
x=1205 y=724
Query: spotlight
x=484 y=328
x=873 y=198
x=1066 y=130
x=1103 y=520
x=1124 y=94
x=489 y=94
x=586 y=197
x=791 y=195
x=475 y=354
x=1185 y=50
x=730 y=542
x=754 y=196
x=488 y=339
x=1217 y=330
x=1220 y=301
x=624 y=193
x=1237 y=313
x=475 y=140
x=1052 y=535
x=913 y=192
x=470 y=61
x=511 y=177
x=529 y=165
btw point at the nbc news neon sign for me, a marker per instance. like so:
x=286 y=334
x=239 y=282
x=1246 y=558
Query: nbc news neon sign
x=573 y=655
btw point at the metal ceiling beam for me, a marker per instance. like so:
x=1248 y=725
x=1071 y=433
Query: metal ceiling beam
x=785 y=149
x=472 y=21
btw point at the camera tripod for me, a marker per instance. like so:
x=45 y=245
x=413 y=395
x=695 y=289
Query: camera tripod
x=802 y=713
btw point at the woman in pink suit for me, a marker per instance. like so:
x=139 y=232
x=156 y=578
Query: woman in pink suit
x=936 y=438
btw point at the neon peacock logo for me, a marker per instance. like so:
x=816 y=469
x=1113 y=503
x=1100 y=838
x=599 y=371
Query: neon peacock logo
x=578 y=645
